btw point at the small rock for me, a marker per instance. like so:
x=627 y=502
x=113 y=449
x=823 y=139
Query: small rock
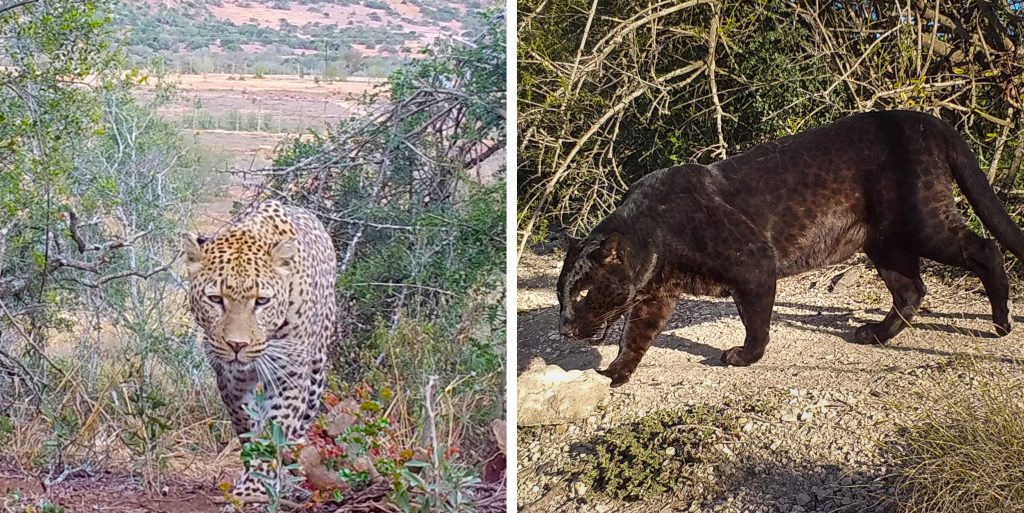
x=580 y=488
x=748 y=427
x=802 y=499
x=670 y=451
x=317 y=474
x=552 y=396
x=805 y=416
x=843 y=281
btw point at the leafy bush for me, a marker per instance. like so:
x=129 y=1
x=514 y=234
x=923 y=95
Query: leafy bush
x=730 y=75
x=85 y=249
x=673 y=451
x=420 y=240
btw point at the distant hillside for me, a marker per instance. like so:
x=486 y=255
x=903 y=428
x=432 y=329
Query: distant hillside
x=328 y=38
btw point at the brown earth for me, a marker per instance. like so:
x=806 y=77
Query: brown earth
x=82 y=492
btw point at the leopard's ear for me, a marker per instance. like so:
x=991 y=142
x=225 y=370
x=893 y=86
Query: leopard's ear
x=192 y=244
x=283 y=253
x=569 y=242
x=612 y=249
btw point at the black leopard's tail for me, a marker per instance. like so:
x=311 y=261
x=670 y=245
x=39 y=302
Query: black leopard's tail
x=979 y=193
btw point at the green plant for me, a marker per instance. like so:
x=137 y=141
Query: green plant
x=364 y=450
x=729 y=75
x=419 y=231
x=673 y=451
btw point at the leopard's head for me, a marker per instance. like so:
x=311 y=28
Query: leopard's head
x=595 y=286
x=239 y=292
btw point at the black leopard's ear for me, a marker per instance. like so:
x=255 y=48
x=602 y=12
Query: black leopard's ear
x=192 y=245
x=612 y=249
x=569 y=242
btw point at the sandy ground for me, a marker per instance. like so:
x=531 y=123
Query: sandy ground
x=830 y=456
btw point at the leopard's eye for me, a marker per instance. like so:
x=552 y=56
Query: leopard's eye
x=262 y=301
x=582 y=294
x=216 y=299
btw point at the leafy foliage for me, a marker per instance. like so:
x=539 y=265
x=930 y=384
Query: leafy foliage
x=93 y=188
x=357 y=442
x=420 y=240
x=667 y=451
x=610 y=91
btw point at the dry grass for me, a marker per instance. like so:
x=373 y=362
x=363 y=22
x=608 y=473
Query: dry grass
x=960 y=445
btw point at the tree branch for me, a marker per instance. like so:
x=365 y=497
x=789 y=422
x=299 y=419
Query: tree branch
x=15 y=5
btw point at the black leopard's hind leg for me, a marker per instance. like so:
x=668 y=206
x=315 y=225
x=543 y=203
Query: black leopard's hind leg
x=901 y=272
x=965 y=249
x=643 y=323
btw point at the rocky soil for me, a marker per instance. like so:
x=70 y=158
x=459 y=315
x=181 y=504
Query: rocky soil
x=822 y=446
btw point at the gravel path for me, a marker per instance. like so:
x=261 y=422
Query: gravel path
x=820 y=450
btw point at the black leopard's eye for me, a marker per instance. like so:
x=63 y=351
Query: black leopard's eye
x=216 y=299
x=262 y=301
x=582 y=294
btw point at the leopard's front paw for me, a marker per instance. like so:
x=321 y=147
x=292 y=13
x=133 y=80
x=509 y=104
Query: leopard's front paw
x=740 y=357
x=869 y=333
x=247 y=494
x=618 y=374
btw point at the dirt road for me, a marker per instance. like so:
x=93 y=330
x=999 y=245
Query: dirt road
x=820 y=451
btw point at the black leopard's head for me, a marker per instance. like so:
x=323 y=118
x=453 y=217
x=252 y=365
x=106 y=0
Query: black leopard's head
x=595 y=286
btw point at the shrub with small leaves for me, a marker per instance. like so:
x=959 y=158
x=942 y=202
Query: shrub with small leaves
x=353 y=455
x=667 y=451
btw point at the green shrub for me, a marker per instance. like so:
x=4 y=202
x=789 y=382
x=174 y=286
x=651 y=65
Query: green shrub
x=667 y=451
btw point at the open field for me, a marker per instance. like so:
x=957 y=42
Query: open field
x=283 y=104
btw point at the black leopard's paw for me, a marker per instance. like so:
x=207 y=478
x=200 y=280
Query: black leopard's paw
x=739 y=357
x=1003 y=330
x=867 y=334
x=618 y=376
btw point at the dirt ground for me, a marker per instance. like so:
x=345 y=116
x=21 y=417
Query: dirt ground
x=820 y=451
x=82 y=492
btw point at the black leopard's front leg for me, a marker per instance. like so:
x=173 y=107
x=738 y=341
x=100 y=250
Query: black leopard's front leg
x=643 y=323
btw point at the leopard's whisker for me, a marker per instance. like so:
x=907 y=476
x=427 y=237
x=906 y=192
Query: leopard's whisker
x=266 y=376
x=273 y=362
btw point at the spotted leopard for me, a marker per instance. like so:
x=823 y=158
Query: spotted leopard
x=263 y=292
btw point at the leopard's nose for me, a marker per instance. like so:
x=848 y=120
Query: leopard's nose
x=237 y=345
